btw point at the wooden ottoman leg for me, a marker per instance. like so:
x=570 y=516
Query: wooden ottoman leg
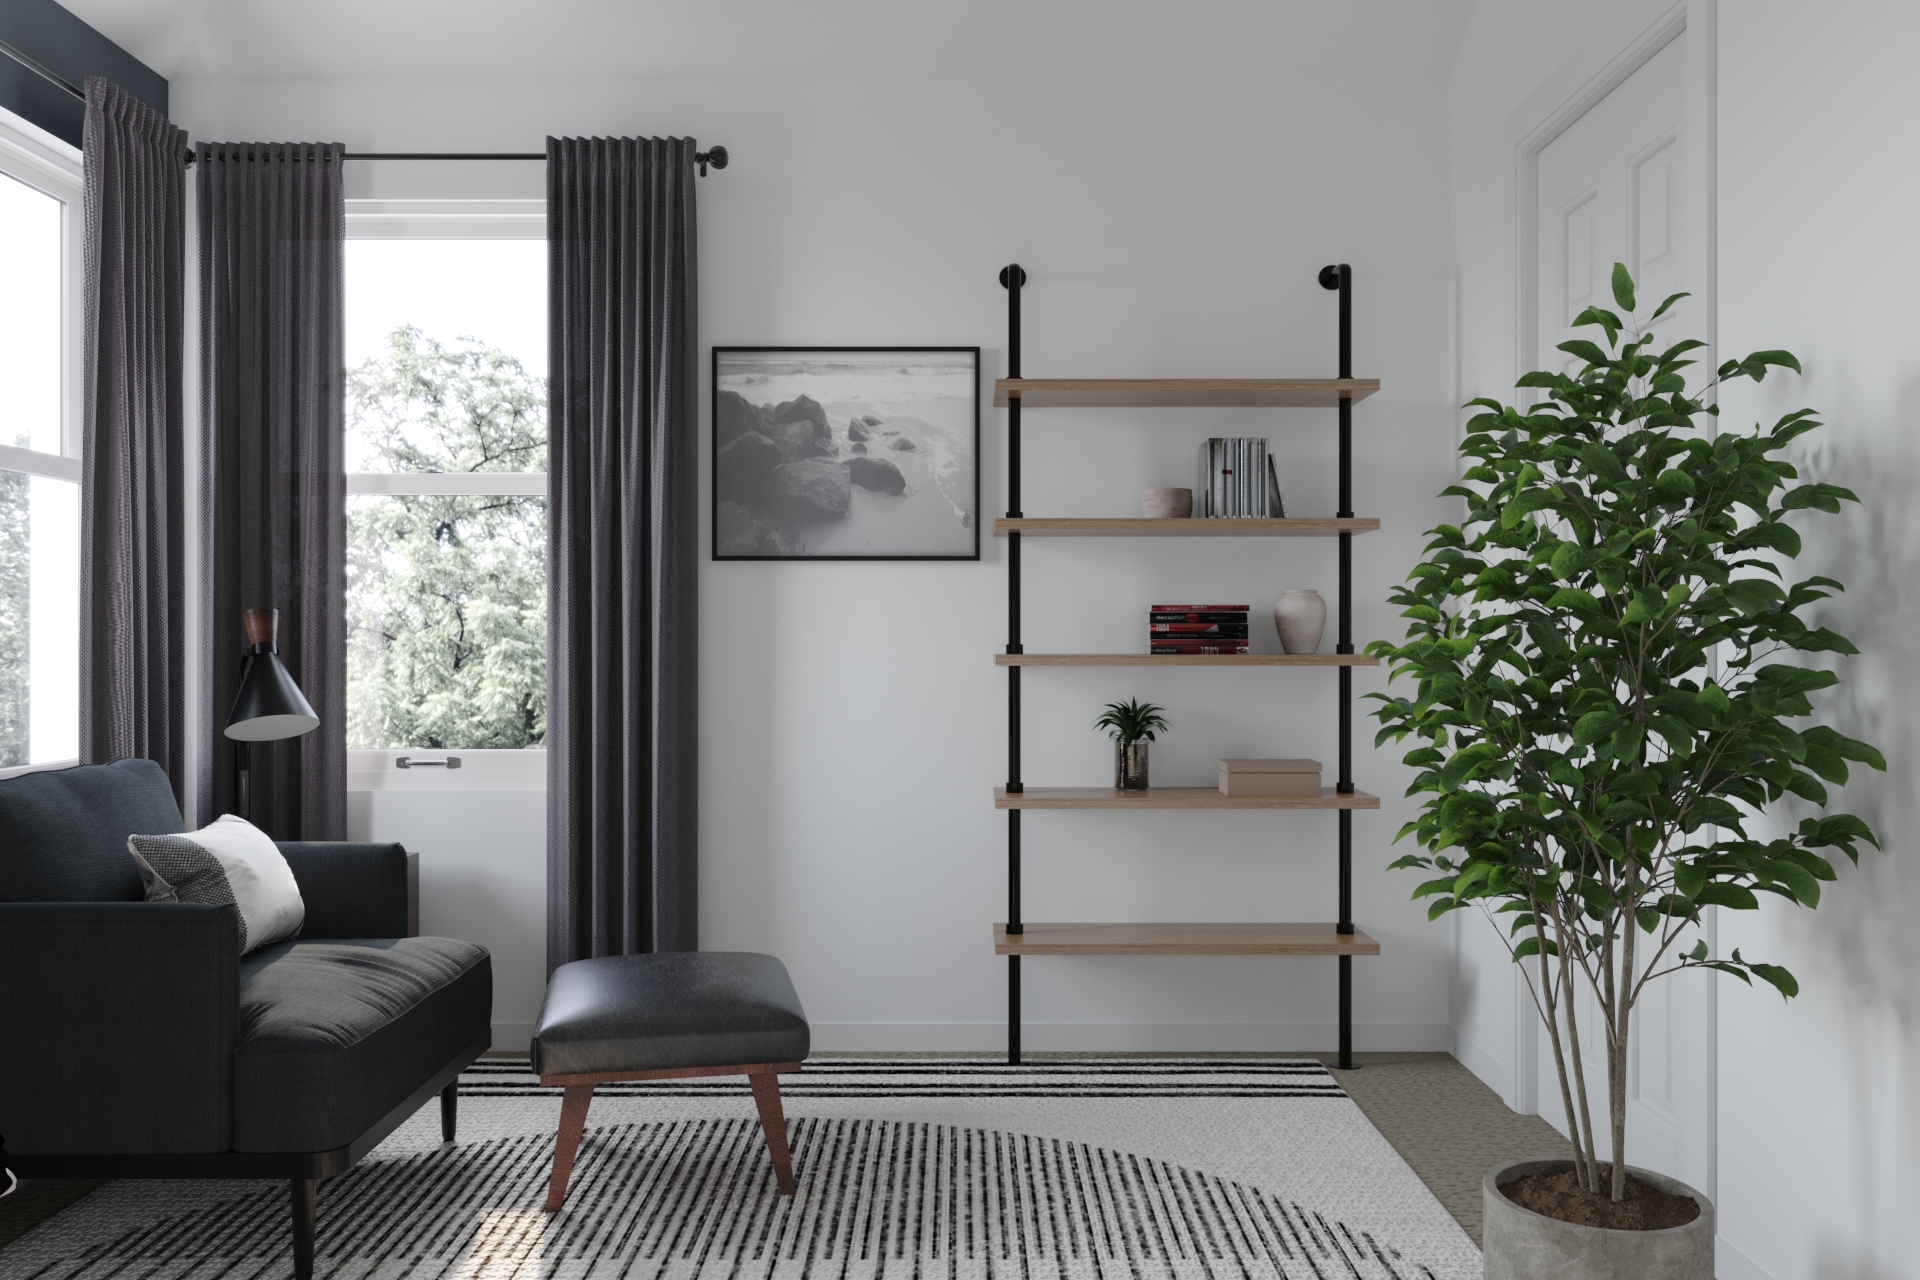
x=773 y=1123
x=566 y=1144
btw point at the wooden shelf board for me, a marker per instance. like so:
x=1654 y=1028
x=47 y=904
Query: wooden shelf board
x=1306 y=527
x=1173 y=798
x=1259 y=939
x=1180 y=393
x=1184 y=660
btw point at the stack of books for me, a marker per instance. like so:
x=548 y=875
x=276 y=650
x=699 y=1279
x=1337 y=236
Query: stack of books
x=1197 y=628
x=1238 y=480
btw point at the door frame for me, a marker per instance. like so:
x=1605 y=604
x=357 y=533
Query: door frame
x=1627 y=42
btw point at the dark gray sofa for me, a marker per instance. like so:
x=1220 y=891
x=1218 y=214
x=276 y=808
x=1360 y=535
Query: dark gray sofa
x=136 y=1042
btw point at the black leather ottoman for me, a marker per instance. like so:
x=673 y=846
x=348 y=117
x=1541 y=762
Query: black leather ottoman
x=668 y=1016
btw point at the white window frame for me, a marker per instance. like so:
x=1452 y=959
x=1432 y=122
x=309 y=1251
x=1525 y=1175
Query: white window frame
x=480 y=770
x=37 y=158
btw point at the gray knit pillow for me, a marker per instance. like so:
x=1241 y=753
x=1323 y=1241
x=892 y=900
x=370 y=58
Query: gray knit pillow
x=228 y=861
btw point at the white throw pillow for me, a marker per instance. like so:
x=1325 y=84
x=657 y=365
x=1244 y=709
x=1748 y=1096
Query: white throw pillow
x=230 y=861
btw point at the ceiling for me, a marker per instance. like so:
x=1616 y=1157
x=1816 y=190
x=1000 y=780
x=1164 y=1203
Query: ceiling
x=892 y=40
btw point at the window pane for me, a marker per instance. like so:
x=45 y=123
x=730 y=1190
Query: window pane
x=446 y=622
x=447 y=355
x=39 y=619
x=30 y=319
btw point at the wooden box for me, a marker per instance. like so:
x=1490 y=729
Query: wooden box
x=1269 y=777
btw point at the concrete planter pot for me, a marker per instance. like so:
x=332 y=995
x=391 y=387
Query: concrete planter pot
x=1520 y=1244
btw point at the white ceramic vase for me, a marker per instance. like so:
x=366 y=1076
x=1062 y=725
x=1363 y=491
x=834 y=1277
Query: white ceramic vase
x=1301 y=619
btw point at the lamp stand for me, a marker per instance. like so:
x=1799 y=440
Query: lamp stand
x=243 y=779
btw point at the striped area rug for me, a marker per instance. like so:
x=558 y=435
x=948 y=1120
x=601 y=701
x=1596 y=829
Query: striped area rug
x=916 y=1169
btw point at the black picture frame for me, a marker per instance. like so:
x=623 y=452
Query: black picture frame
x=750 y=539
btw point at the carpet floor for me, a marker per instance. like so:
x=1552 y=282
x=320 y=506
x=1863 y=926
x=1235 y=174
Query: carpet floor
x=1188 y=1169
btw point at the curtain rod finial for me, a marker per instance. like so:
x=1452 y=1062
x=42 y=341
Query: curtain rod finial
x=717 y=157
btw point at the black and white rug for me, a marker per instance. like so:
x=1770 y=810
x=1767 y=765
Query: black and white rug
x=918 y=1169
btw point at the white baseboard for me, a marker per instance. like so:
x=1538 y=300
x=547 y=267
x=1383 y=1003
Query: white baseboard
x=1731 y=1264
x=1122 y=1037
x=1492 y=1072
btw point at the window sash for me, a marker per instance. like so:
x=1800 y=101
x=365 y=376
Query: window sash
x=31 y=155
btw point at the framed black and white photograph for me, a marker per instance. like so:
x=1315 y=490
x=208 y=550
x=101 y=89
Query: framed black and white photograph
x=846 y=453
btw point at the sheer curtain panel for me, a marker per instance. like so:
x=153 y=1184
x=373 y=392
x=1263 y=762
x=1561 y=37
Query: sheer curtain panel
x=622 y=837
x=273 y=492
x=133 y=480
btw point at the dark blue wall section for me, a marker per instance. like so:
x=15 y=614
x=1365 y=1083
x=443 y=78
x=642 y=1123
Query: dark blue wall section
x=56 y=39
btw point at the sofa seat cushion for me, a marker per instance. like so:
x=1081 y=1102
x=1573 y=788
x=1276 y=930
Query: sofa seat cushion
x=334 y=1035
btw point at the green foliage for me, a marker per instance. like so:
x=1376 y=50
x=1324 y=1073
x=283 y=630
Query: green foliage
x=1133 y=721
x=1607 y=654
x=446 y=595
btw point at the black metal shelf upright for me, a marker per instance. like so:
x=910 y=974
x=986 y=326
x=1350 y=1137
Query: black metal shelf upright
x=1336 y=278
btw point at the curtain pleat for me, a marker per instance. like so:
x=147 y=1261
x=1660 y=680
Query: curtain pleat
x=622 y=671
x=272 y=224
x=133 y=481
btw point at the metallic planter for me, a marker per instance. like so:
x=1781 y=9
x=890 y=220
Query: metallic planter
x=1523 y=1245
x=1130 y=766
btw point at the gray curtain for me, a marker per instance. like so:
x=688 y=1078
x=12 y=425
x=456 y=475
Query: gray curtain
x=622 y=596
x=133 y=479
x=273 y=495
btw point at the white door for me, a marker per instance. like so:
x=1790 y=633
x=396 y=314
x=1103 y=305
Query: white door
x=1611 y=188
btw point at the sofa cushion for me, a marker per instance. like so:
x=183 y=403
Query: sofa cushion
x=334 y=1035
x=63 y=832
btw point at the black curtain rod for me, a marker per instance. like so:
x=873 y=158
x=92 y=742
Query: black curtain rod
x=717 y=156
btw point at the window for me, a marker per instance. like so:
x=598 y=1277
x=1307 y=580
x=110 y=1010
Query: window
x=40 y=213
x=446 y=454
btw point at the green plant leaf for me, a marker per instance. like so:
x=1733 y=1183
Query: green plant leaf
x=1622 y=287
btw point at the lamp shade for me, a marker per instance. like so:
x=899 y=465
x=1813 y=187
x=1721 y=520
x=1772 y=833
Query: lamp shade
x=270 y=705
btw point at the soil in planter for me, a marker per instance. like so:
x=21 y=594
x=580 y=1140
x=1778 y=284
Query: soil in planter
x=1558 y=1195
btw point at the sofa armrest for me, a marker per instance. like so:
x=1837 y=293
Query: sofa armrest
x=352 y=890
x=118 y=1022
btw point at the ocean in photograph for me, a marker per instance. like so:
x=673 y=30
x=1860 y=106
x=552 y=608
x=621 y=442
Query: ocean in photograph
x=855 y=453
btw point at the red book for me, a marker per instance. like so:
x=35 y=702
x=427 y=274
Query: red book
x=1237 y=629
x=1198 y=608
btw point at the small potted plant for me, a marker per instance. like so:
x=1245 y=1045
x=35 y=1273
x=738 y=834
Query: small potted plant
x=1131 y=725
x=1608 y=651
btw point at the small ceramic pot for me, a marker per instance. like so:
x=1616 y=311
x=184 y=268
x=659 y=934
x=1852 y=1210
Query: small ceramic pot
x=1130 y=766
x=1167 y=504
x=1301 y=619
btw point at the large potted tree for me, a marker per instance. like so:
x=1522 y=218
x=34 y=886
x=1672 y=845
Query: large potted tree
x=1607 y=656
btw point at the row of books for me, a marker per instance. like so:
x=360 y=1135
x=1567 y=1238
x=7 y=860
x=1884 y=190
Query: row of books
x=1238 y=480
x=1197 y=628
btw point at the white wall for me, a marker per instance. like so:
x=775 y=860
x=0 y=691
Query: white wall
x=852 y=722
x=1820 y=1098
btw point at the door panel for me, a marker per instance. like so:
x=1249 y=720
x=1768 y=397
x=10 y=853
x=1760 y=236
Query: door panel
x=1611 y=188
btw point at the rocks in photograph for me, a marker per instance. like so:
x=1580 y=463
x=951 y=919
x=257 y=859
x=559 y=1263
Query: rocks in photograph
x=876 y=474
x=742 y=532
x=798 y=440
x=804 y=408
x=743 y=468
x=733 y=416
x=903 y=444
x=813 y=487
x=859 y=448
x=857 y=430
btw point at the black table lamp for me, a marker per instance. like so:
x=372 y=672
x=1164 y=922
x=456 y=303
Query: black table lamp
x=270 y=705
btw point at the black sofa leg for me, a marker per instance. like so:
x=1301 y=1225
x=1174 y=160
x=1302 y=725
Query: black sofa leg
x=449 y=1110
x=305 y=1208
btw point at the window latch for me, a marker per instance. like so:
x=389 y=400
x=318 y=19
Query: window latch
x=408 y=762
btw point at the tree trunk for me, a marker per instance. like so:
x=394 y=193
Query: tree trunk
x=1582 y=1170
